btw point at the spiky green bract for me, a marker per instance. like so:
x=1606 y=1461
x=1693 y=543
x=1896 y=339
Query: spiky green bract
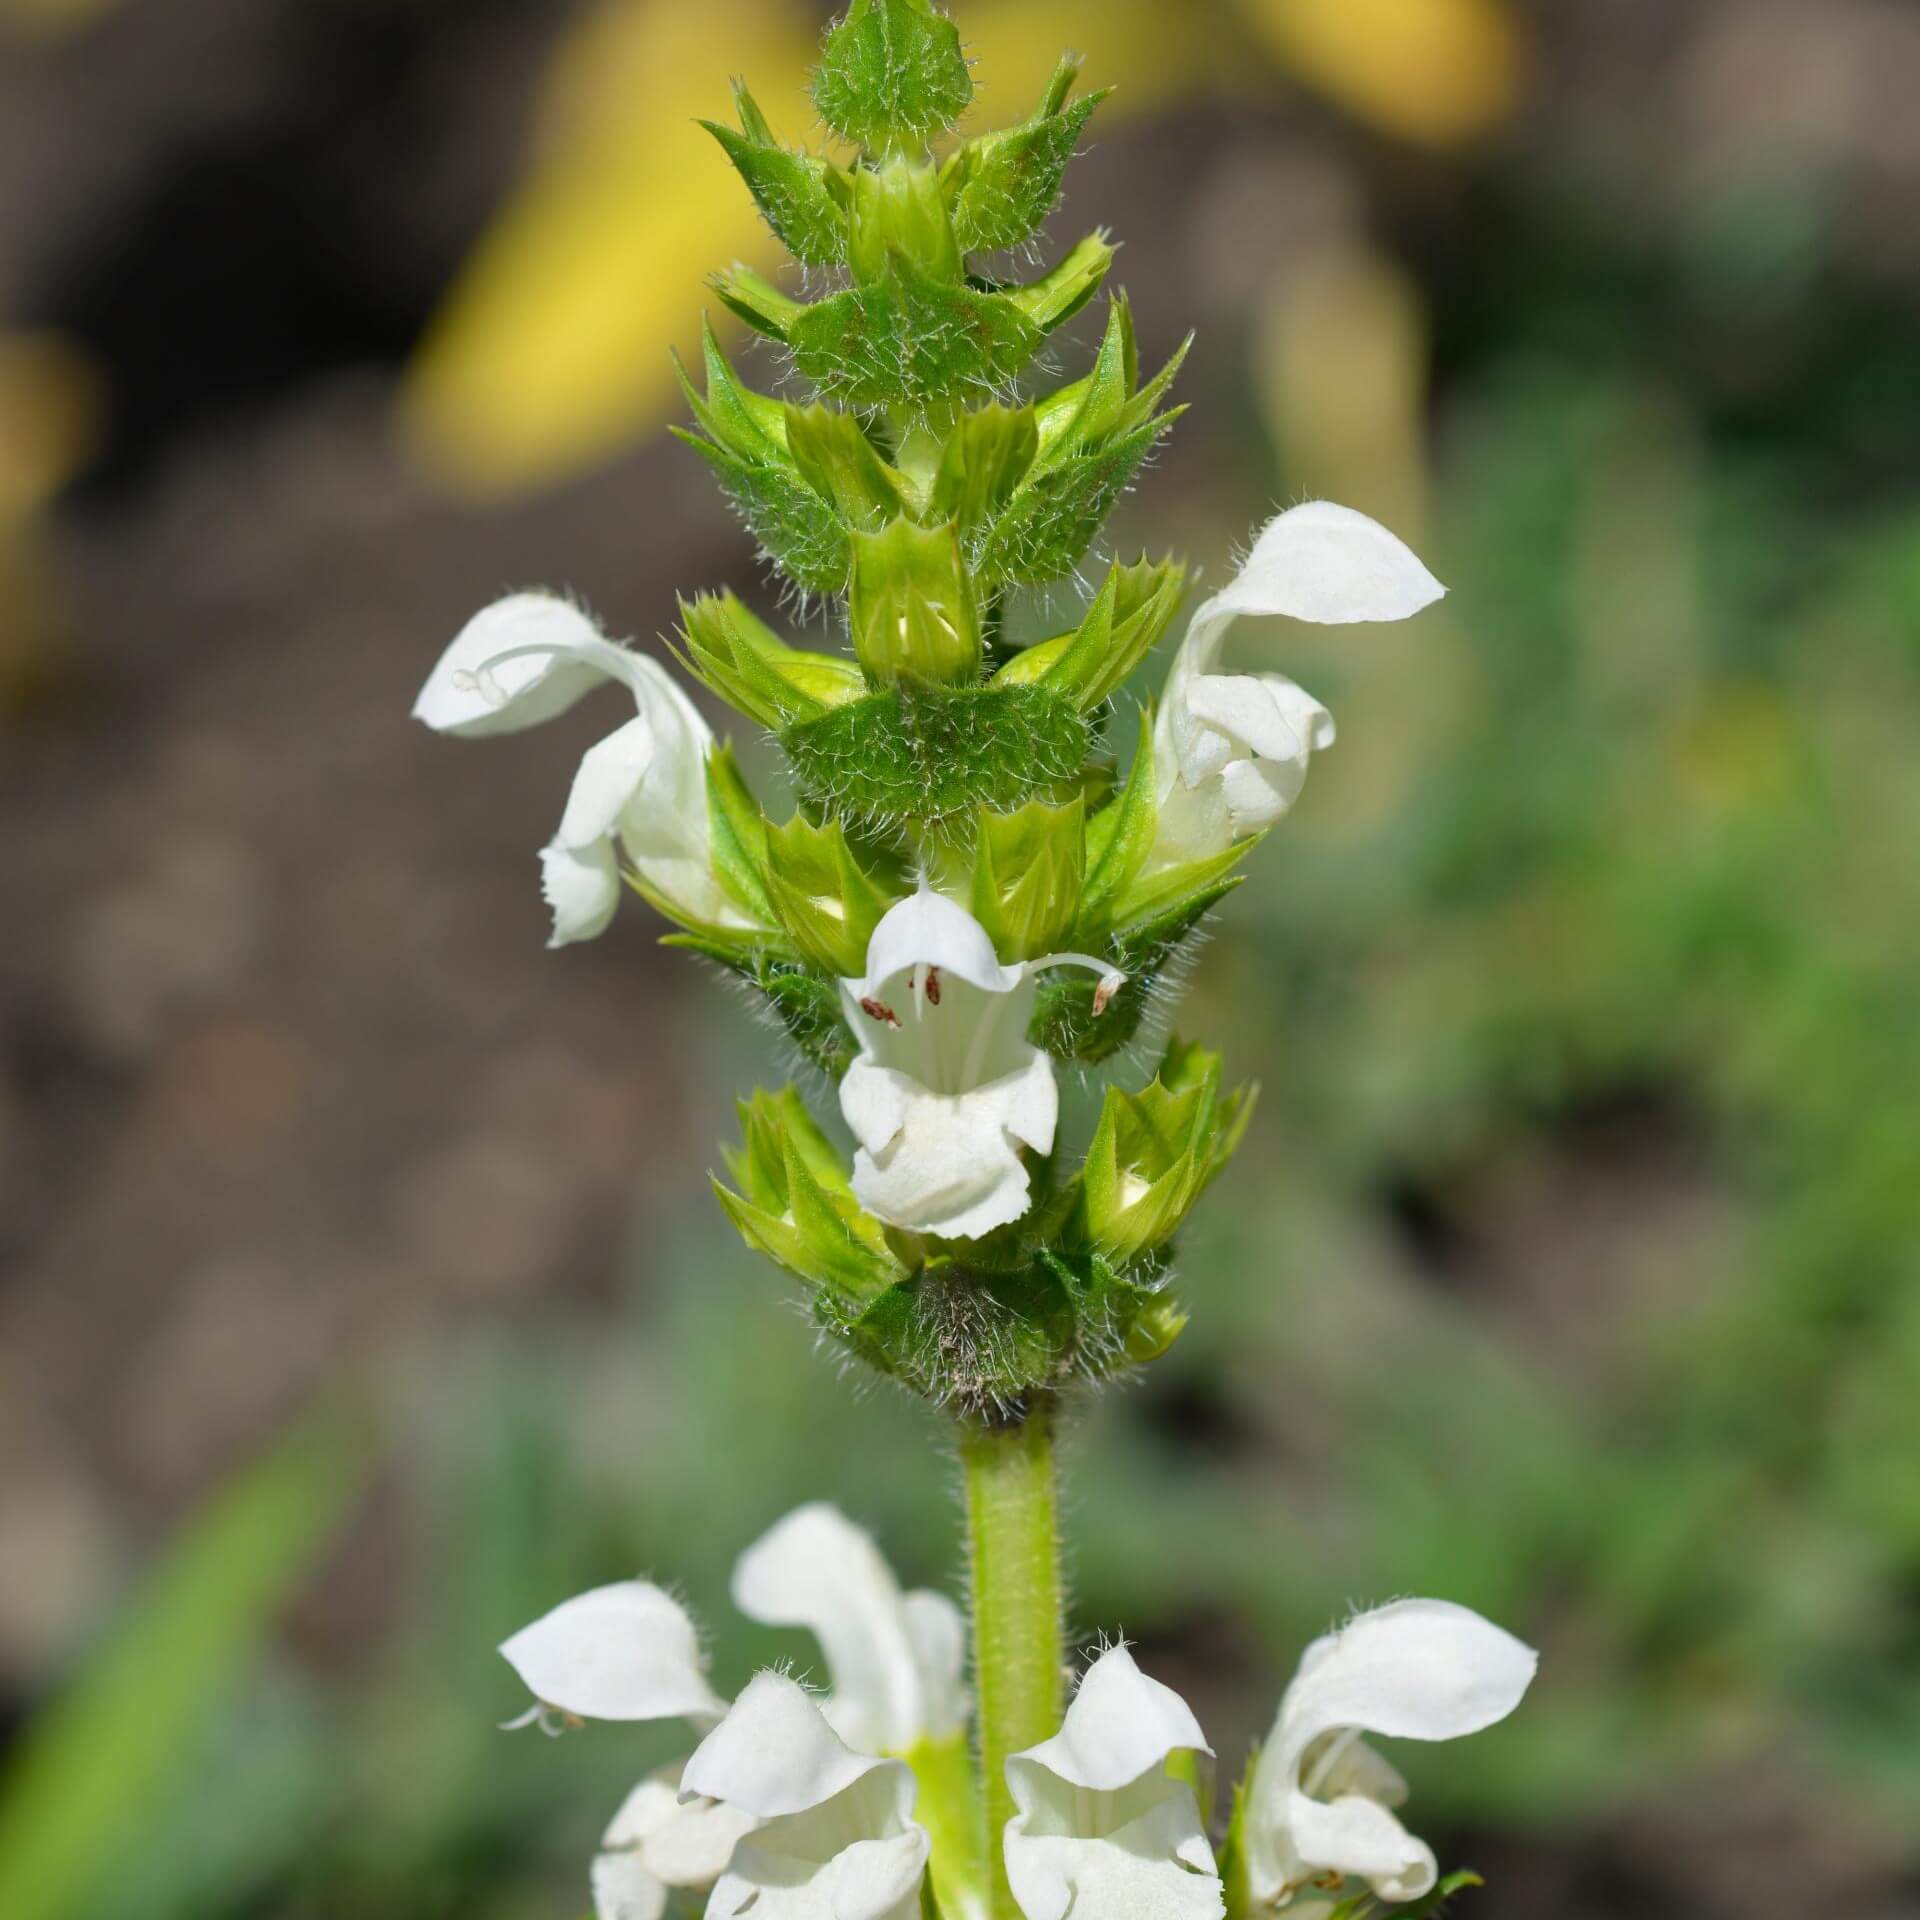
x=824 y=898
x=1027 y=872
x=915 y=616
x=1127 y=617
x=1002 y=186
x=920 y=755
x=738 y=656
x=980 y=1340
x=795 y=1205
x=1155 y=1152
x=805 y=199
x=892 y=75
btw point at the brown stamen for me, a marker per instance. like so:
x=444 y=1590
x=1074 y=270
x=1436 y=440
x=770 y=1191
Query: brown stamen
x=933 y=986
x=879 y=1010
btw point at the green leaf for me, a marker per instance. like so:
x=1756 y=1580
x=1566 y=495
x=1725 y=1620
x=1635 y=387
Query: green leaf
x=1056 y=515
x=1003 y=185
x=725 y=647
x=731 y=414
x=912 y=610
x=758 y=301
x=892 y=75
x=798 y=528
x=93 y=1762
x=827 y=902
x=919 y=755
x=801 y=197
x=805 y=1003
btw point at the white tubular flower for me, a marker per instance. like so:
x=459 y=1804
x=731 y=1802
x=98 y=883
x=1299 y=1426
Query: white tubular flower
x=641 y=792
x=1317 y=1805
x=895 y=1658
x=947 y=1088
x=1232 y=750
x=834 y=1835
x=656 y=1843
x=1102 y=1828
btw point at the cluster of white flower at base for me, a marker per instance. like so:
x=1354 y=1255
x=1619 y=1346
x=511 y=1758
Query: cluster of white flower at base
x=802 y=1806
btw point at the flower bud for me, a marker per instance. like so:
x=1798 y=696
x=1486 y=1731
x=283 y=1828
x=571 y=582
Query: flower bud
x=913 y=611
x=892 y=75
x=898 y=210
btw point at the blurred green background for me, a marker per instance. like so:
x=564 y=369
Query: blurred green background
x=360 y=1295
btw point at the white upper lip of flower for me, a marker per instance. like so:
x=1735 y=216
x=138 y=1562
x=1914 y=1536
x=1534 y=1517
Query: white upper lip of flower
x=1319 y=1797
x=1102 y=1827
x=631 y=1652
x=1232 y=750
x=641 y=791
x=947 y=1088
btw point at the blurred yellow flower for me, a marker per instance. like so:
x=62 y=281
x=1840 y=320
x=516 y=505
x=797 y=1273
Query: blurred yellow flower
x=1435 y=71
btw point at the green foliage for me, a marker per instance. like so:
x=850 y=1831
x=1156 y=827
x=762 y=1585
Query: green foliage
x=915 y=615
x=89 y=1767
x=919 y=755
x=738 y=656
x=892 y=75
x=826 y=900
x=1028 y=869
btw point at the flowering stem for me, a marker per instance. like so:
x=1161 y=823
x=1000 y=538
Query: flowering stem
x=1013 y=1529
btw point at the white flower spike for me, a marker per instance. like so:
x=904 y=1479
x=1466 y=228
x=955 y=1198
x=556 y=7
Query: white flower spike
x=1232 y=750
x=1102 y=1828
x=640 y=793
x=1318 y=1803
x=947 y=1089
x=895 y=1658
x=835 y=1837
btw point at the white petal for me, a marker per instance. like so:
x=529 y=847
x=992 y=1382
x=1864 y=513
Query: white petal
x=1419 y=1670
x=938 y=1630
x=582 y=887
x=1242 y=706
x=1359 y=1837
x=838 y=1840
x=623 y=1889
x=609 y=776
x=1330 y=565
x=625 y=1652
x=1101 y=1827
x=679 y=1843
x=554 y=656
x=1416 y=1670
x=774 y=1753
x=1122 y=1723
x=928 y=929
x=816 y=1569
x=948 y=1163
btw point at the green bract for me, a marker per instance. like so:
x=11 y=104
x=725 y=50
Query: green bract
x=910 y=476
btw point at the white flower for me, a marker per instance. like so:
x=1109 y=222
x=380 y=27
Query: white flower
x=1318 y=1802
x=834 y=1836
x=1102 y=1828
x=630 y=1652
x=895 y=1658
x=947 y=1089
x=641 y=792
x=1231 y=751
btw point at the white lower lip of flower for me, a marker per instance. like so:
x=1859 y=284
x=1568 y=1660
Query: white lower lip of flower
x=1319 y=1799
x=1102 y=1827
x=836 y=1839
x=656 y=1843
x=947 y=1089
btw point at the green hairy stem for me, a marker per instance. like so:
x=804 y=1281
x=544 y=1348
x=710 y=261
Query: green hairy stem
x=1013 y=1534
